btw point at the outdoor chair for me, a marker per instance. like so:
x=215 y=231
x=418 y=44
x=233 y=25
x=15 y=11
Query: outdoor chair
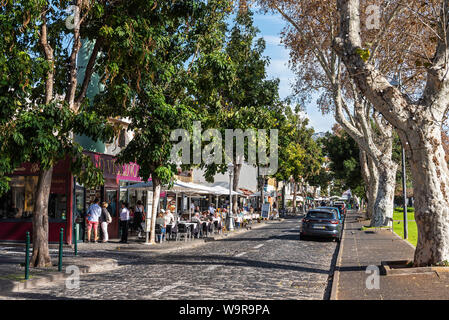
x=169 y=232
x=217 y=227
x=204 y=229
x=183 y=232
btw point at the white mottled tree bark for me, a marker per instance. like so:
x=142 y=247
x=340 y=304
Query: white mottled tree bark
x=418 y=124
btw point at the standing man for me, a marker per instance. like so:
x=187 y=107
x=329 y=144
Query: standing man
x=211 y=209
x=93 y=215
x=124 y=221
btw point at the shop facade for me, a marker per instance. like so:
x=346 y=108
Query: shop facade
x=68 y=201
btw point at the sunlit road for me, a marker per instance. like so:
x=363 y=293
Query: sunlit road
x=266 y=263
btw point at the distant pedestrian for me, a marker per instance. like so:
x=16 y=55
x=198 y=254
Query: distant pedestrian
x=93 y=216
x=105 y=219
x=124 y=222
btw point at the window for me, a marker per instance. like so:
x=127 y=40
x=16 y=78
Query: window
x=122 y=139
x=320 y=215
x=18 y=203
x=57 y=206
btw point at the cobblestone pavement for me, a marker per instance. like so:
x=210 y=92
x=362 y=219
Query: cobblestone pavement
x=267 y=263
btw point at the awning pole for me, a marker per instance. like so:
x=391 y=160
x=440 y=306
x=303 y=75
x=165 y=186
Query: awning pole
x=176 y=203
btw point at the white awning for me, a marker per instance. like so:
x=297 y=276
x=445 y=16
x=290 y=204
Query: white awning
x=186 y=187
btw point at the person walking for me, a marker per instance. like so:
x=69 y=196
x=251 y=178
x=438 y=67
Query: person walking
x=105 y=219
x=93 y=215
x=124 y=222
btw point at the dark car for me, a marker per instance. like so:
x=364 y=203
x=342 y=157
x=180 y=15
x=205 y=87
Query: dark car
x=323 y=223
x=341 y=206
x=338 y=210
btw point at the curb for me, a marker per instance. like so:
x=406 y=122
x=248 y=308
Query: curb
x=411 y=245
x=336 y=274
x=46 y=278
x=192 y=244
x=394 y=268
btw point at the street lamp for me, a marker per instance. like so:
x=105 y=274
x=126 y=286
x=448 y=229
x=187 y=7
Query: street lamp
x=229 y=224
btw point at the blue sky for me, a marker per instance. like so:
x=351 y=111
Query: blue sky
x=270 y=26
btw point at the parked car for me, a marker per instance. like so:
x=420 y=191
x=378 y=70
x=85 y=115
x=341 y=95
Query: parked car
x=323 y=223
x=341 y=205
x=338 y=210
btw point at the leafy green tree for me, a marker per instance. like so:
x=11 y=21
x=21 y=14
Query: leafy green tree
x=40 y=106
x=300 y=158
x=159 y=60
x=252 y=101
x=343 y=153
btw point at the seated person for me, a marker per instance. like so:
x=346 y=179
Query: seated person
x=196 y=217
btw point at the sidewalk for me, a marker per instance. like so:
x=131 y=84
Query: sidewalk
x=12 y=268
x=138 y=245
x=359 y=249
x=92 y=257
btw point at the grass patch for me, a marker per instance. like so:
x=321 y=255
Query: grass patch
x=372 y=228
x=399 y=215
x=398 y=228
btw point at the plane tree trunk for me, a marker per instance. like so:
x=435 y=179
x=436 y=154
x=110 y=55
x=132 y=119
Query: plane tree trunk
x=418 y=124
x=41 y=254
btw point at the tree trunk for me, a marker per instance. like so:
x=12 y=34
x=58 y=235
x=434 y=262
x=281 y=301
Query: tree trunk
x=373 y=186
x=276 y=202
x=156 y=196
x=431 y=190
x=366 y=177
x=235 y=185
x=294 y=196
x=41 y=254
x=283 y=196
x=383 y=206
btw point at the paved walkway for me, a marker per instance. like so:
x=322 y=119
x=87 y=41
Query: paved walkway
x=266 y=263
x=360 y=249
x=92 y=257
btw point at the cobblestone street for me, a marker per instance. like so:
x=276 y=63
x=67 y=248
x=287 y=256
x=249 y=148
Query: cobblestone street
x=268 y=263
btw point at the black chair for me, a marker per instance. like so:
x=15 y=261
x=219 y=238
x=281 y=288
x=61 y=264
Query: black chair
x=217 y=227
x=204 y=229
x=183 y=232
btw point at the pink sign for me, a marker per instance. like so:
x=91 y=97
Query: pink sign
x=113 y=170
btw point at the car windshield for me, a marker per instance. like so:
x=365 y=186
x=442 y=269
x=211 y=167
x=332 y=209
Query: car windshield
x=320 y=215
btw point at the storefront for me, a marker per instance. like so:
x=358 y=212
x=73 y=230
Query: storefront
x=68 y=201
x=115 y=176
x=17 y=205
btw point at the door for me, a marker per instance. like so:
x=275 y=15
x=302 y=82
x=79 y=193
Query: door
x=111 y=198
x=79 y=213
